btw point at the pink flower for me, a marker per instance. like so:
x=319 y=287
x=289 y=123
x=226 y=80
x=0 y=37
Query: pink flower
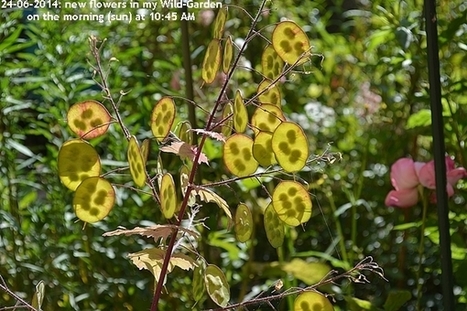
x=405 y=180
x=426 y=175
x=406 y=175
x=402 y=198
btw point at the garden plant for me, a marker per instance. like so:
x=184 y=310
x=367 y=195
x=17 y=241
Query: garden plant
x=246 y=170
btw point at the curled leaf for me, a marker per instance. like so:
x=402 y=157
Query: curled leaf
x=153 y=258
x=156 y=231
x=215 y=135
x=208 y=195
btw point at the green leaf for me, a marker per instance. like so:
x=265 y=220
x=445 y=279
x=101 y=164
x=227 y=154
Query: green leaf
x=219 y=23
x=38 y=297
x=198 y=282
x=162 y=118
x=407 y=225
x=238 y=155
x=355 y=304
x=396 y=299
x=88 y=119
x=94 y=199
x=136 y=162
x=11 y=39
x=212 y=61
x=77 y=160
x=20 y=148
x=291 y=43
x=292 y=203
x=240 y=114
x=421 y=118
x=243 y=223
x=273 y=226
x=168 y=196
x=217 y=286
x=290 y=146
x=312 y=301
x=308 y=272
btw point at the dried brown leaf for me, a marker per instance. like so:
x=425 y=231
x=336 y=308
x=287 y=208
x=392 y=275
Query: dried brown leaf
x=156 y=231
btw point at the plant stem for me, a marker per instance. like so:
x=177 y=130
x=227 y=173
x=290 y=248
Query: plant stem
x=340 y=233
x=421 y=248
x=184 y=205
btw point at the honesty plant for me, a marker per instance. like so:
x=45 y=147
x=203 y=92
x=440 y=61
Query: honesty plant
x=260 y=144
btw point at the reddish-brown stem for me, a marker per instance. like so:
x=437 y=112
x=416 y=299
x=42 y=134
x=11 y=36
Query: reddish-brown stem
x=173 y=238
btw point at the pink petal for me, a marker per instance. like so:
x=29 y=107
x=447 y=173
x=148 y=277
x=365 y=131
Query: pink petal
x=450 y=164
x=426 y=175
x=403 y=174
x=402 y=198
x=449 y=189
x=418 y=166
x=454 y=175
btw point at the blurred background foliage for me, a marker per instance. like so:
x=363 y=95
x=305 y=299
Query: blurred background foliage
x=364 y=94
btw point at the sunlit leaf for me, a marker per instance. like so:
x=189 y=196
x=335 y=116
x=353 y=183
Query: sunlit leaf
x=312 y=301
x=238 y=155
x=162 y=117
x=292 y=202
x=421 y=118
x=272 y=95
x=153 y=258
x=183 y=131
x=216 y=285
x=20 y=148
x=308 y=272
x=240 y=114
x=212 y=61
x=94 y=199
x=136 y=162
x=184 y=177
x=227 y=126
x=355 y=304
x=207 y=195
x=219 y=23
x=243 y=223
x=88 y=119
x=145 y=146
x=291 y=42
x=396 y=299
x=168 y=196
x=38 y=297
x=271 y=63
x=228 y=55
x=262 y=149
x=156 y=231
x=199 y=287
x=266 y=118
x=77 y=160
x=290 y=146
x=273 y=226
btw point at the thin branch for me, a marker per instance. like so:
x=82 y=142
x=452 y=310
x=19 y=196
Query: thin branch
x=104 y=85
x=354 y=275
x=25 y=305
x=165 y=265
